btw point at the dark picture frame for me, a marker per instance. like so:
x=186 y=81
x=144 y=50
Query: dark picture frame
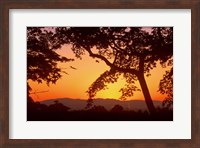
x=6 y=5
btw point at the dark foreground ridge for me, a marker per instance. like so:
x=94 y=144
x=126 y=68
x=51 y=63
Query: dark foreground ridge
x=57 y=111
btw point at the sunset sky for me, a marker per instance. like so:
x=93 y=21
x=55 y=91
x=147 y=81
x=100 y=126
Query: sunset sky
x=77 y=81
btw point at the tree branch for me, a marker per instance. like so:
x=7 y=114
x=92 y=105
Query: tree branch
x=132 y=71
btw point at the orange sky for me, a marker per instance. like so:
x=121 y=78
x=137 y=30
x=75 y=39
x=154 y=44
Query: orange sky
x=76 y=83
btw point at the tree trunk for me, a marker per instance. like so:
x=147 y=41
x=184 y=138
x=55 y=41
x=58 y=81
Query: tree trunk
x=146 y=94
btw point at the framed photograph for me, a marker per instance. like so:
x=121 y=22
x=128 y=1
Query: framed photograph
x=100 y=74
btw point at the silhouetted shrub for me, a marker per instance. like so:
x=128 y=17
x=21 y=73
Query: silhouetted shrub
x=98 y=108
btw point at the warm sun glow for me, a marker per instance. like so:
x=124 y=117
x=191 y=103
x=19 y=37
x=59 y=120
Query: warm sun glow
x=82 y=73
x=100 y=74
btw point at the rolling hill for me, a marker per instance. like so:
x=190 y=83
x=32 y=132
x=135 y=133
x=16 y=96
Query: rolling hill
x=78 y=104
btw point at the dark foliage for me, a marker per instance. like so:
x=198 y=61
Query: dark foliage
x=129 y=51
x=166 y=87
x=59 y=112
x=42 y=59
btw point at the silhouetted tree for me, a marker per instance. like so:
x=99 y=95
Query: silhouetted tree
x=166 y=87
x=42 y=59
x=129 y=51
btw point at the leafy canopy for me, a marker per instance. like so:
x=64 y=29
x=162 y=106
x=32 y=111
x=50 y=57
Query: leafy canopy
x=42 y=59
x=130 y=52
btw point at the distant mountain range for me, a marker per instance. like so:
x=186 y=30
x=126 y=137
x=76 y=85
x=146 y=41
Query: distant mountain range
x=78 y=104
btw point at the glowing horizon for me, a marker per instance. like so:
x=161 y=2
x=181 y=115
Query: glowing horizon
x=77 y=81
